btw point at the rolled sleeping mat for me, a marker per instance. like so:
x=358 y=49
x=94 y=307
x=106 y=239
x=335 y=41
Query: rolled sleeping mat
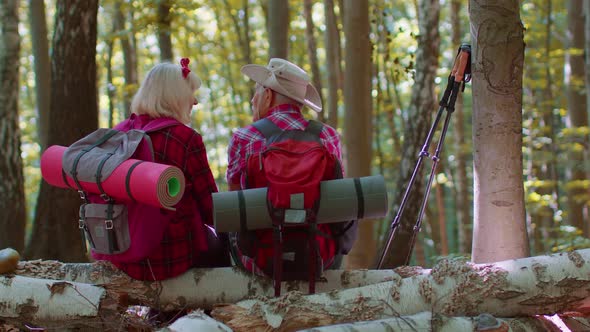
x=146 y=182
x=340 y=200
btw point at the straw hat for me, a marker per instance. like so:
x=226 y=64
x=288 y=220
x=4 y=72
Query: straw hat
x=287 y=79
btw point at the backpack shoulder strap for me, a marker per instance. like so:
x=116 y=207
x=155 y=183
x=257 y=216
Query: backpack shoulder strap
x=266 y=127
x=160 y=123
x=315 y=128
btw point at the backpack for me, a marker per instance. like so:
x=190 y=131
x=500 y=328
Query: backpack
x=119 y=232
x=291 y=165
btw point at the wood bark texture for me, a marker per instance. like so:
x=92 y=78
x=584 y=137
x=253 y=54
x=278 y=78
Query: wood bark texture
x=497 y=67
x=522 y=287
x=208 y=286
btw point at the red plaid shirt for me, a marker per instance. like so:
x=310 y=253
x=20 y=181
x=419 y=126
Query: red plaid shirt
x=249 y=140
x=184 y=239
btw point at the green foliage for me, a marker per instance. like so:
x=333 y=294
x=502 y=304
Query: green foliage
x=569 y=238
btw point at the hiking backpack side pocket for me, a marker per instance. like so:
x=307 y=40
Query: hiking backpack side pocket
x=106 y=227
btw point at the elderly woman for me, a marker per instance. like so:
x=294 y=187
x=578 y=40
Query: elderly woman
x=169 y=91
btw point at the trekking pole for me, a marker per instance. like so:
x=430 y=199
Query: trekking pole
x=460 y=74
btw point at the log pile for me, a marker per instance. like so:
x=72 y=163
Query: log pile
x=515 y=295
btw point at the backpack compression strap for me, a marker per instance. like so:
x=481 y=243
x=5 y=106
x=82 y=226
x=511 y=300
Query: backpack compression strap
x=315 y=128
x=266 y=127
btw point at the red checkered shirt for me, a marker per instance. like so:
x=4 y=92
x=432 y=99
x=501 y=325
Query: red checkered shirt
x=249 y=140
x=184 y=238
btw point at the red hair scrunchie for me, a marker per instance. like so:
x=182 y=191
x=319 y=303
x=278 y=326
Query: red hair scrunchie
x=184 y=65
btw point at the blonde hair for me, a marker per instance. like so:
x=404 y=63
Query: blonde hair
x=166 y=93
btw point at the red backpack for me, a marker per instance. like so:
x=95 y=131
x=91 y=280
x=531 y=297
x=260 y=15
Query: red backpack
x=292 y=165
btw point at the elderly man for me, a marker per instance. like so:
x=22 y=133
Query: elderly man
x=282 y=90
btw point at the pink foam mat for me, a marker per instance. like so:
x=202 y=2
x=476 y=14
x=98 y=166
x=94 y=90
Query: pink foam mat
x=148 y=181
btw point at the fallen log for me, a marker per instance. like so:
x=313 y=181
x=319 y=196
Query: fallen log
x=522 y=287
x=207 y=286
x=55 y=303
x=196 y=321
x=426 y=321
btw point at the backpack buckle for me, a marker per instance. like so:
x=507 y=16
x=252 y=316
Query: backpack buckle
x=82 y=194
x=106 y=197
x=108 y=224
x=81 y=223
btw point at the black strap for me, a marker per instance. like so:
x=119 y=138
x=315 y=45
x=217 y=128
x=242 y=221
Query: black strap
x=314 y=127
x=111 y=236
x=360 y=198
x=277 y=257
x=64 y=176
x=243 y=214
x=266 y=127
x=84 y=229
x=98 y=174
x=128 y=179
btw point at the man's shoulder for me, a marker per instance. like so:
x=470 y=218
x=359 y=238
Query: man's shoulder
x=328 y=130
x=246 y=133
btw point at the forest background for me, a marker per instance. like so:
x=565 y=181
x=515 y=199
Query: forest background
x=404 y=53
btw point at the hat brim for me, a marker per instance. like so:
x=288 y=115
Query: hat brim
x=262 y=75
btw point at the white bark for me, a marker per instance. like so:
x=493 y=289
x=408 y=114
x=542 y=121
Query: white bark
x=43 y=301
x=522 y=287
x=196 y=321
x=499 y=230
x=425 y=321
x=208 y=286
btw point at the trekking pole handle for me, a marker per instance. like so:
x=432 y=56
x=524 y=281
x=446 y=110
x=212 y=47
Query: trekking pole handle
x=461 y=63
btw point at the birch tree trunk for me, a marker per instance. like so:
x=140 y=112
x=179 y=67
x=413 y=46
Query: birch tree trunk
x=358 y=116
x=523 y=287
x=426 y=321
x=208 y=286
x=12 y=205
x=53 y=303
x=498 y=55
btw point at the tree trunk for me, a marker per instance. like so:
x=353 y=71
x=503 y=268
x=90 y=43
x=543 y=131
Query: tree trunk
x=196 y=321
x=462 y=185
x=498 y=55
x=358 y=116
x=208 y=286
x=312 y=53
x=426 y=321
x=110 y=87
x=441 y=216
x=74 y=113
x=332 y=42
x=543 y=149
x=578 y=115
x=38 y=24
x=420 y=111
x=278 y=28
x=165 y=31
x=522 y=287
x=12 y=205
x=58 y=304
x=129 y=57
